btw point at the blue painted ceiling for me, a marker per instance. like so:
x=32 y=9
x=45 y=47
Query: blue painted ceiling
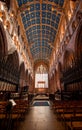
x=40 y=19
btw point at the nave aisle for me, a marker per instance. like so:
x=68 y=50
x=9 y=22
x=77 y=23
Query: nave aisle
x=41 y=118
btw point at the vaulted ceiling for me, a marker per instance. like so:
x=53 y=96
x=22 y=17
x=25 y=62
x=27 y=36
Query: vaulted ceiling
x=41 y=20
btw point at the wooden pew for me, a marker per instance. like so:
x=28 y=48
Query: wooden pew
x=17 y=113
x=70 y=112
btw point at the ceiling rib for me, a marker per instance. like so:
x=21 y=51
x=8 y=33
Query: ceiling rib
x=41 y=29
x=26 y=6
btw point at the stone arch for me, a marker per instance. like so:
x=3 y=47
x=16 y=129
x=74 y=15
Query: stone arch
x=37 y=64
x=3 y=42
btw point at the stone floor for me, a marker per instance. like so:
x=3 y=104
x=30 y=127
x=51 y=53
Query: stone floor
x=41 y=97
x=41 y=118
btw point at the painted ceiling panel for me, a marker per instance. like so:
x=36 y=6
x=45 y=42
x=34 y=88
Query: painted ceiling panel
x=41 y=20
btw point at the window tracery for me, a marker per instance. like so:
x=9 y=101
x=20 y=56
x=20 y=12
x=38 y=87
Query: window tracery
x=41 y=69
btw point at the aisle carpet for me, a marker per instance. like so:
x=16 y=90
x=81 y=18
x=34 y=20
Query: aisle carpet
x=41 y=103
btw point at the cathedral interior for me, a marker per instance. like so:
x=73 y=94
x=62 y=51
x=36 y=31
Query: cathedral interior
x=41 y=59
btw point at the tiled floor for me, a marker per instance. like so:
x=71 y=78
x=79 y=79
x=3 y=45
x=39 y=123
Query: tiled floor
x=41 y=118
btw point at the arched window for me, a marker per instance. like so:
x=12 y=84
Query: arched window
x=41 y=77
